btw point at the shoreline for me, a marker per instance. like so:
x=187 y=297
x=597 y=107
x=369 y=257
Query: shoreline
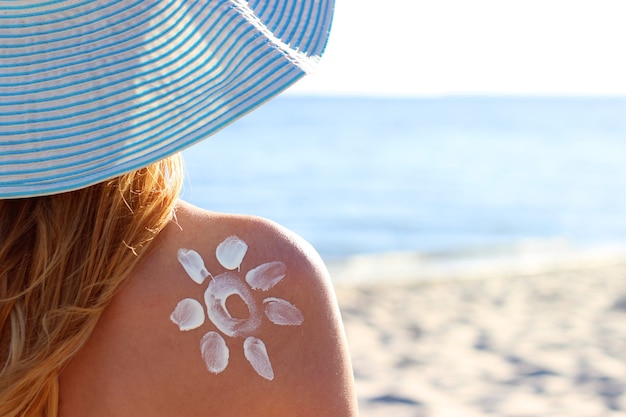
x=525 y=258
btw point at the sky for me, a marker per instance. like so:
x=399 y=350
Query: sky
x=479 y=47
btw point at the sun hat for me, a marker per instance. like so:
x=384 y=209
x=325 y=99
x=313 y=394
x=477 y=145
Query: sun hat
x=90 y=90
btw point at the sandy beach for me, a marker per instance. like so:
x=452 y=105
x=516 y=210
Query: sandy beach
x=537 y=334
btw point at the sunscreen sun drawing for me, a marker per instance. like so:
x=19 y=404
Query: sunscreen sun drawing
x=189 y=313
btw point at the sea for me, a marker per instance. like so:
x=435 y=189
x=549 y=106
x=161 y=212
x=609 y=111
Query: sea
x=356 y=175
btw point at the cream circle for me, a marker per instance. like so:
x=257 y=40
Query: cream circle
x=220 y=288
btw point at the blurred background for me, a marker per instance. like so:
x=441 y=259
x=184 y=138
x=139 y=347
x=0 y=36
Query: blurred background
x=439 y=127
x=461 y=166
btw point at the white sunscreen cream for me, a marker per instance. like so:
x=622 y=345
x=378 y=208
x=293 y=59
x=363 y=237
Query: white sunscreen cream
x=189 y=314
x=230 y=252
x=254 y=350
x=265 y=276
x=220 y=288
x=214 y=352
x=193 y=264
x=282 y=312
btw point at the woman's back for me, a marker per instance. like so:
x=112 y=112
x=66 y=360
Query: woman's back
x=269 y=345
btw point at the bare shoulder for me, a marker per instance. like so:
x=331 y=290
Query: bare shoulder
x=230 y=315
x=265 y=238
x=270 y=300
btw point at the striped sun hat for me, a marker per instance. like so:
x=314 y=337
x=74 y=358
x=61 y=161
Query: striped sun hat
x=90 y=90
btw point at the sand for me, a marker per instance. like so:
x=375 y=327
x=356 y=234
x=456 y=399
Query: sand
x=550 y=341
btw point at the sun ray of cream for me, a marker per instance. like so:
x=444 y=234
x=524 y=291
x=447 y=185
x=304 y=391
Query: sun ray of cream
x=214 y=352
x=256 y=353
x=282 y=312
x=265 y=276
x=188 y=314
x=193 y=264
x=230 y=252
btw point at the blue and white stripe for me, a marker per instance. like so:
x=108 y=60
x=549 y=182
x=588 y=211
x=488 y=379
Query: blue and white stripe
x=92 y=89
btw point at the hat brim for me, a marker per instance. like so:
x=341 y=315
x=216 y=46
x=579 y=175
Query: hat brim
x=91 y=90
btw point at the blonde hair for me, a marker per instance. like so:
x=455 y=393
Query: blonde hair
x=62 y=258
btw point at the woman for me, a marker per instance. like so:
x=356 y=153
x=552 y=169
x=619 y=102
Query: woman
x=117 y=298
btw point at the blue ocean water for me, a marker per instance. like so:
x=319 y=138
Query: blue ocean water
x=368 y=175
